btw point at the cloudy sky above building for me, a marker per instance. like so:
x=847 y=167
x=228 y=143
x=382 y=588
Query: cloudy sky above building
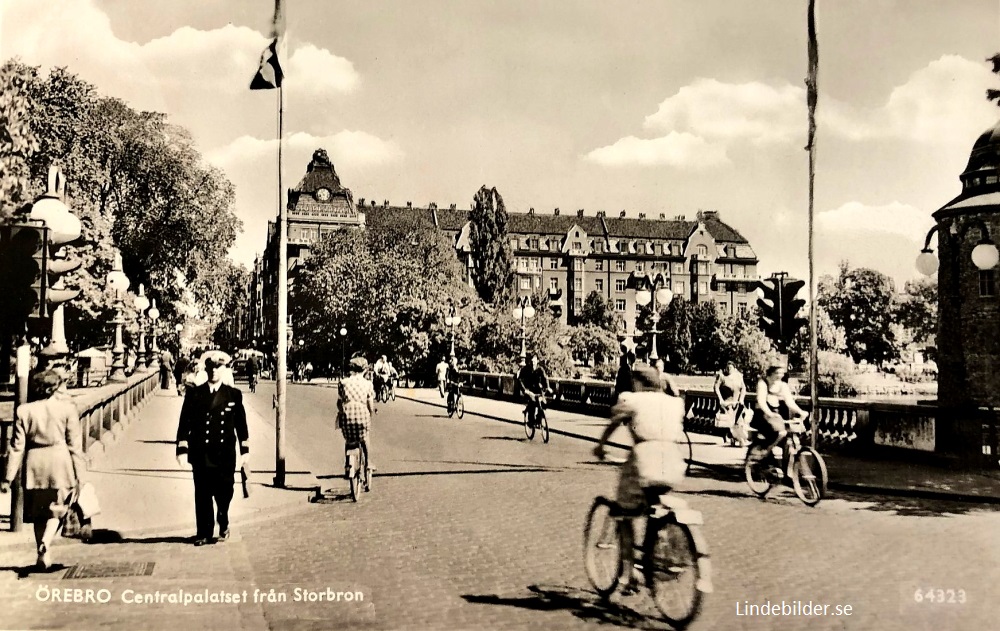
x=655 y=106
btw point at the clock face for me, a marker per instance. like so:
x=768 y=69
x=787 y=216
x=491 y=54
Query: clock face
x=323 y=195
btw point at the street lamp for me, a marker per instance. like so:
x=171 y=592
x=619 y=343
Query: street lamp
x=343 y=339
x=141 y=304
x=652 y=290
x=154 y=356
x=117 y=282
x=523 y=311
x=452 y=320
x=64 y=227
x=180 y=329
x=984 y=256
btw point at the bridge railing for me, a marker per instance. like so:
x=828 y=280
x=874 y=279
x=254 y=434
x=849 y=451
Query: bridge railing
x=960 y=436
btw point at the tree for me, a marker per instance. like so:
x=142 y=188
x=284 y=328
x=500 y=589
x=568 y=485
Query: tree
x=17 y=139
x=600 y=312
x=491 y=253
x=593 y=344
x=829 y=337
x=916 y=309
x=861 y=302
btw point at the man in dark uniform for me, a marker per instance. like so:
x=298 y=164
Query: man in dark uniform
x=212 y=420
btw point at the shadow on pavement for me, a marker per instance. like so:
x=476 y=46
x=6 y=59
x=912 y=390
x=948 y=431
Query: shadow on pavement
x=30 y=570
x=721 y=493
x=105 y=537
x=520 y=439
x=583 y=604
x=158 y=442
x=911 y=506
x=403 y=474
x=479 y=464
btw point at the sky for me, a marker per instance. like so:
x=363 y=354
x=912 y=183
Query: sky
x=666 y=106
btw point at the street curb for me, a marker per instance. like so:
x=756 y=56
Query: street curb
x=736 y=473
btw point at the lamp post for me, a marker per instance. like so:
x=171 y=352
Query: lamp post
x=452 y=320
x=180 y=329
x=984 y=256
x=154 y=356
x=343 y=340
x=141 y=304
x=64 y=227
x=652 y=291
x=523 y=311
x=117 y=282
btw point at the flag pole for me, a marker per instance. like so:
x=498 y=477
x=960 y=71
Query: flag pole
x=282 y=368
x=812 y=97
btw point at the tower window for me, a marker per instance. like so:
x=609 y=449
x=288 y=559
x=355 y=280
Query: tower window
x=987 y=283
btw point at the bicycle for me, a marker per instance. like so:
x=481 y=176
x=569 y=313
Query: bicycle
x=804 y=465
x=673 y=556
x=357 y=471
x=541 y=421
x=456 y=402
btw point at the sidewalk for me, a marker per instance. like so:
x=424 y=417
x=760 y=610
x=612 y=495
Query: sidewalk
x=846 y=473
x=142 y=490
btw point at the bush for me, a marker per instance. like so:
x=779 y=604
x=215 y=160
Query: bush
x=914 y=375
x=606 y=371
x=835 y=377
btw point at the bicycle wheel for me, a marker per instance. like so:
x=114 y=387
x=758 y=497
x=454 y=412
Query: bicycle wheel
x=451 y=407
x=543 y=423
x=672 y=573
x=690 y=453
x=365 y=470
x=529 y=429
x=392 y=393
x=755 y=467
x=604 y=547
x=460 y=407
x=354 y=476
x=809 y=476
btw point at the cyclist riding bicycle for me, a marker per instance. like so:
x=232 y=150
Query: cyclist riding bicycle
x=380 y=373
x=532 y=382
x=356 y=405
x=775 y=405
x=452 y=385
x=253 y=369
x=656 y=461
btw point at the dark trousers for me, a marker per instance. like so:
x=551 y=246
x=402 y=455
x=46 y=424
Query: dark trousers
x=212 y=483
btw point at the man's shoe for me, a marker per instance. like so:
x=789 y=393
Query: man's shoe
x=223 y=536
x=202 y=541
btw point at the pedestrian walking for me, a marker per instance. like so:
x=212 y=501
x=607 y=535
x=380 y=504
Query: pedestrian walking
x=442 y=375
x=166 y=368
x=213 y=424
x=49 y=440
x=731 y=391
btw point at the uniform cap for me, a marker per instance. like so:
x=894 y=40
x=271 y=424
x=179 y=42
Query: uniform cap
x=216 y=358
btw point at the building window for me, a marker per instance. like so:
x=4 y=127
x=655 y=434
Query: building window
x=525 y=283
x=578 y=265
x=577 y=245
x=741 y=288
x=619 y=305
x=577 y=234
x=620 y=266
x=599 y=265
x=640 y=266
x=703 y=288
x=538 y=282
x=991 y=179
x=599 y=284
x=702 y=251
x=553 y=283
x=678 y=268
x=553 y=263
x=679 y=287
x=578 y=303
x=739 y=270
x=620 y=285
x=703 y=268
x=578 y=284
x=514 y=245
x=743 y=308
x=598 y=246
x=533 y=244
x=987 y=283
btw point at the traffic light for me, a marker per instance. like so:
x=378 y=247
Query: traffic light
x=23 y=261
x=779 y=309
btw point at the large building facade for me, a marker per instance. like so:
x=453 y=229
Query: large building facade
x=567 y=255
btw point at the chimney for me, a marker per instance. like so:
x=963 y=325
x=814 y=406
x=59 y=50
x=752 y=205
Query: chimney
x=579 y=213
x=373 y=203
x=621 y=215
x=709 y=214
x=663 y=216
x=601 y=213
x=556 y=212
x=452 y=207
x=680 y=218
x=642 y=215
x=361 y=202
x=385 y=204
x=432 y=205
x=531 y=211
x=409 y=204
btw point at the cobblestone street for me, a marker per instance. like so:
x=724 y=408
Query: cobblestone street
x=469 y=525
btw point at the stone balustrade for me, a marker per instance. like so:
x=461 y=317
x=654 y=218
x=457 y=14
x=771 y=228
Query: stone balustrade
x=962 y=437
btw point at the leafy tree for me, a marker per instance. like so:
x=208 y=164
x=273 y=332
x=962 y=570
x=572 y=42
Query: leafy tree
x=17 y=139
x=491 y=253
x=829 y=337
x=600 y=312
x=916 y=310
x=861 y=302
x=593 y=344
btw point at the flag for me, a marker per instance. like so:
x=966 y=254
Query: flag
x=269 y=74
x=812 y=95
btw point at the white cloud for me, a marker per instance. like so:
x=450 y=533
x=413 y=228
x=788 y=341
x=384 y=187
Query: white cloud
x=751 y=111
x=942 y=103
x=76 y=33
x=894 y=218
x=674 y=149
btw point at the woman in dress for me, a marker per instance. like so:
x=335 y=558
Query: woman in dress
x=48 y=438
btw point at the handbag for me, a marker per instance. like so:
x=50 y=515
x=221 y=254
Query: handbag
x=725 y=418
x=86 y=501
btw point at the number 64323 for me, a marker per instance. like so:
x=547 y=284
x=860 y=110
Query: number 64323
x=940 y=596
